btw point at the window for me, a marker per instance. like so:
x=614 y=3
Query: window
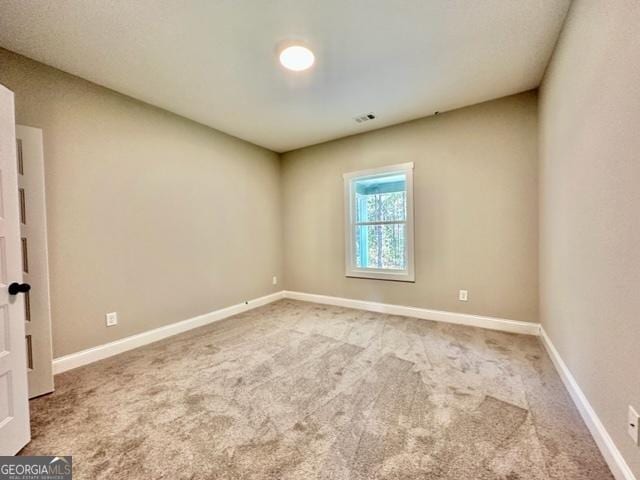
x=379 y=223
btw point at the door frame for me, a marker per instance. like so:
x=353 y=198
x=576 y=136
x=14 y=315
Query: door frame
x=33 y=229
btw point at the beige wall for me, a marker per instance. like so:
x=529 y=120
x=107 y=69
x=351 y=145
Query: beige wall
x=476 y=210
x=590 y=208
x=150 y=215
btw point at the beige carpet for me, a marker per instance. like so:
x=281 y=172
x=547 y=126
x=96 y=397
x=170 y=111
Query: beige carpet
x=296 y=390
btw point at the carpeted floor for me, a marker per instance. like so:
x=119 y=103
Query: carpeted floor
x=302 y=391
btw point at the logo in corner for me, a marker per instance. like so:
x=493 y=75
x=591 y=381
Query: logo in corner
x=36 y=468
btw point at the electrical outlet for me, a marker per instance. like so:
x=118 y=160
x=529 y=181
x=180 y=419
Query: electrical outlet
x=112 y=319
x=632 y=425
x=275 y=280
x=463 y=295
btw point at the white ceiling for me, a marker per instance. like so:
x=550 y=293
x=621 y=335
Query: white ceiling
x=215 y=61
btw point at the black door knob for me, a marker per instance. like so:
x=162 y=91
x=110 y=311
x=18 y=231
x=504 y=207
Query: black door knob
x=16 y=288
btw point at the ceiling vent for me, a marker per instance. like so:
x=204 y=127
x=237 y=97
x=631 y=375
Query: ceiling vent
x=364 y=118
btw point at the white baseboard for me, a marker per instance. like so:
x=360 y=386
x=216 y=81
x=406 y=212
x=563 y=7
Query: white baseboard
x=491 y=323
x=90 y=355
x=610 y=452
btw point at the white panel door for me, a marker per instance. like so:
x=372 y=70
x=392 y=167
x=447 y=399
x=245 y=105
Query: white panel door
x=35 y=268
x=14 y=403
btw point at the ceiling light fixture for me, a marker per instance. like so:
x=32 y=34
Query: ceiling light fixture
x=297 y=58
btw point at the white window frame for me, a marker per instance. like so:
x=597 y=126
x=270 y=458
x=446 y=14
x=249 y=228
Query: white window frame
x=351 y=266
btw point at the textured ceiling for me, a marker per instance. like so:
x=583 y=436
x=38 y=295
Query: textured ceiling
x=216 y=61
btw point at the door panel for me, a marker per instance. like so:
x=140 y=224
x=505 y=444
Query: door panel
x=35 y=269
x=14 y=404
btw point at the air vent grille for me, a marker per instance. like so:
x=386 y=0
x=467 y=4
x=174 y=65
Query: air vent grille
x=364 y=118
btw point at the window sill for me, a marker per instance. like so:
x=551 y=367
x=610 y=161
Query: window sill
x=392 y=277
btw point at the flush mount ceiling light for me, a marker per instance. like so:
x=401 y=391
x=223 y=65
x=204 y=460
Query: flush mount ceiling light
x=297 y=58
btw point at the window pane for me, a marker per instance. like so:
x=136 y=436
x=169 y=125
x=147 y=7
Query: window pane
x=381 y=246
x=381 y=199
